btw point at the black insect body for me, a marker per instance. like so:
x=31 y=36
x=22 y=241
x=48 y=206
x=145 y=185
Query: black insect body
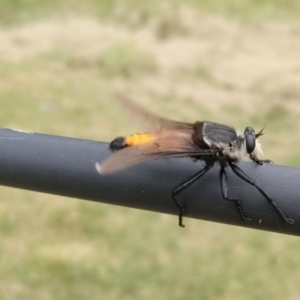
x=205 y=141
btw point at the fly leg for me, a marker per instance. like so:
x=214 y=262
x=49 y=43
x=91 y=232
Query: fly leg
x=260 y=161
x=224 y=191
x=177 y=190
x=238 y=171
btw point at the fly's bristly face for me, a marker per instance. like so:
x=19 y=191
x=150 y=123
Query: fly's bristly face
x=205 y=141
x=246 y=146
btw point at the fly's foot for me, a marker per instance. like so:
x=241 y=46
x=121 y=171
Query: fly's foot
x=289 y=221
x=267 y=161
x=247 y=220
x=181 y=212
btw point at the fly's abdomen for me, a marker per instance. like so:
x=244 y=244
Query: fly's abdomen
x=117 y=144
x=131 y=140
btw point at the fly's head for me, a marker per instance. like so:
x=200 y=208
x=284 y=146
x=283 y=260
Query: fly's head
x=250 y=138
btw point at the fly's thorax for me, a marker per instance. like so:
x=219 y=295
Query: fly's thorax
x=218 y=135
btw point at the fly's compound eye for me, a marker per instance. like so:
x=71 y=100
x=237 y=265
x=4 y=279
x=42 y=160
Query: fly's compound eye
x=250 y=143
x=249 y=130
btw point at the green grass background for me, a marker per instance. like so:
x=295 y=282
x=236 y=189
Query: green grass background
x=58 y=248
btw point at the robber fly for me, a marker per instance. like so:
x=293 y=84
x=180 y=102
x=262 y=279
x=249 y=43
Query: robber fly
x=205 y=141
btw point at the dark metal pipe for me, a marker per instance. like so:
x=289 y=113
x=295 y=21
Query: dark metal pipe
x=66 y=166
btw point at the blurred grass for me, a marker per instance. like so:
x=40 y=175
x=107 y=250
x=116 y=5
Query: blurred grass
x=250 y=10
x=16 y=11
x=58 y=248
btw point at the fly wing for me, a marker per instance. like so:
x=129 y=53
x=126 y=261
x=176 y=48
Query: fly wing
x=167 y=143
x=149 y=119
